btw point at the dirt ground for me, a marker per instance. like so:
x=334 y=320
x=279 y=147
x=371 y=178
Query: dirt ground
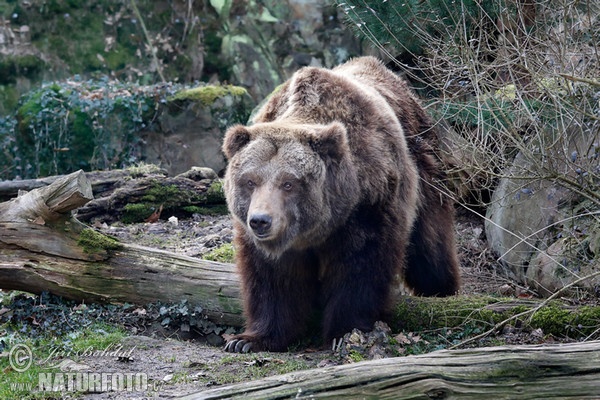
x=169 y=363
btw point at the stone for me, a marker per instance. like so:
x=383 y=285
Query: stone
x=266 y=42
x=530 y=219
x=559 y=266
x=189 y=131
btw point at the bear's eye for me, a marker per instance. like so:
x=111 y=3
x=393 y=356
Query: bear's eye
x=287 y=186
x=251 y=184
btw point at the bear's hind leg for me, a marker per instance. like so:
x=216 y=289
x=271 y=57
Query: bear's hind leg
x=432 y=267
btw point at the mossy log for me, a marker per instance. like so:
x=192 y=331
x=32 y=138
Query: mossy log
x=44 y=248
x=103 y=182
x=568 y=371
x=136 y=193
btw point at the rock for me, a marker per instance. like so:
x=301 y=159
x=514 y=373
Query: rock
x=518 y=216
x=528 y=213
x=558 y=266
x=189 y=131
x=264 y=43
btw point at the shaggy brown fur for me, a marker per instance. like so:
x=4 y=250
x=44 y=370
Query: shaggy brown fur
x=334 y=190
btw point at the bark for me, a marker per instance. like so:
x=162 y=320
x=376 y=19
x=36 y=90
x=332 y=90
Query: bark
x=568 y=371
x=103 y=182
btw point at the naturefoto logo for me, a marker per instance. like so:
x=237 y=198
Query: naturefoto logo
x=21 y=359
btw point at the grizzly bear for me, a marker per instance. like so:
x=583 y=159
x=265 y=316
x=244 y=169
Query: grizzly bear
x=335 y=190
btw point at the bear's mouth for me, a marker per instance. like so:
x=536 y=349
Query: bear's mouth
x=262 y=236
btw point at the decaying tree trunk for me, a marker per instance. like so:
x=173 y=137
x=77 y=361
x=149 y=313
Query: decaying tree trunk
x=568 y=371
x=43 y=248
x=103 y=182
x=147 y=187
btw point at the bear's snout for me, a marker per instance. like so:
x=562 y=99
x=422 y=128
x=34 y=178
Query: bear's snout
x=261 y=224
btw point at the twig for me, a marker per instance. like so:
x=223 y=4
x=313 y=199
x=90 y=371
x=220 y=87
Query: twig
x=147 y=35
x=578 y=79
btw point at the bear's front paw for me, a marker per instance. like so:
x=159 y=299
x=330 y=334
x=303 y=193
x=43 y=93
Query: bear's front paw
x=239 y=345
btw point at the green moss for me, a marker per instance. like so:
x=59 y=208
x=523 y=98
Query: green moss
x=553 y=319
x=477 y=314
x=136 y=212
x=208 y=94
x=172 y=198
x=142 y=169
x=215 y=192
x=355 y=356
x=429 y=313
x=213 y=209
x=93 y=242
x=224 y=254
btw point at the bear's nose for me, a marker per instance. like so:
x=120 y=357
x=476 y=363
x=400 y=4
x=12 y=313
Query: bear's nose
x=260 y=223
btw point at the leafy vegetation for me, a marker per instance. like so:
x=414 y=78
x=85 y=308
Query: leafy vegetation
x=93 y=124
x=65 y=126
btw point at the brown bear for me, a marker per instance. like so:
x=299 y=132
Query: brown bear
x=334 y=191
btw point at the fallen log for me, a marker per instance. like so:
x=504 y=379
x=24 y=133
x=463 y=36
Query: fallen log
x=44 y=248
x=103 y=182
x=135 y=193
x=566 y=371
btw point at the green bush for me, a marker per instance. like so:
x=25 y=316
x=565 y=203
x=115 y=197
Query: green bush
x=62 y=127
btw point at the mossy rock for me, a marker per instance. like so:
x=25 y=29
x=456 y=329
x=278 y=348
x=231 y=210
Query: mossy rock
x=208 y=94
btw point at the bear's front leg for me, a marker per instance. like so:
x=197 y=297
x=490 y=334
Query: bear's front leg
x=357 y=284
x=279 y=298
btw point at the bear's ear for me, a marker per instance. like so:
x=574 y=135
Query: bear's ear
x=331 y=141
x=236 y=138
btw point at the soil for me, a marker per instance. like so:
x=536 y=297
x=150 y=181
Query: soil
x=177 y=363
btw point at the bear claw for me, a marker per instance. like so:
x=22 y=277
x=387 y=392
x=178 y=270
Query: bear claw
x=238 y=346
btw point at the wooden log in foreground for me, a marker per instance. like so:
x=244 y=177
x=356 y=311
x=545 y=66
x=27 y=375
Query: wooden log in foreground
x=43 y=248
x=566 y=371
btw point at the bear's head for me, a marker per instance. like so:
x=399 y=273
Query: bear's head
x=289 y=185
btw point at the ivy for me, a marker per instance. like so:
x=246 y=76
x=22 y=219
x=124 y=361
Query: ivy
x=96 y=124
